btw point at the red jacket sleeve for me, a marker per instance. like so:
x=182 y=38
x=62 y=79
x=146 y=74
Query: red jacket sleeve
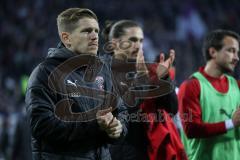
x=190 y=112
x=152 y=71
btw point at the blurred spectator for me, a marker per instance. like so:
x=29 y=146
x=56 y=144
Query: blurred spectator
x=189 y=24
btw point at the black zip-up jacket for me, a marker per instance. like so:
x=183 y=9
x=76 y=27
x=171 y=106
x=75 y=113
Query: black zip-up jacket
x=56 y=136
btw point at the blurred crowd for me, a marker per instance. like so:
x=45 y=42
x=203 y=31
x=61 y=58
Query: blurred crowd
x=28 y=29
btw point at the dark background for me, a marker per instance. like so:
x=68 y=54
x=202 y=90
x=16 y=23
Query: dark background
x=28 y=29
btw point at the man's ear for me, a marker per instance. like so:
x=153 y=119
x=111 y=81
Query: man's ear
x=65 y=37
x=212 y=52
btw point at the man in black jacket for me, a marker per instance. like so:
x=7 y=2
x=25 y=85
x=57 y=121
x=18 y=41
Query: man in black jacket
x=73 y=113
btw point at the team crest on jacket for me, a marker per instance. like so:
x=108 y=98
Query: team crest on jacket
x=99 y=81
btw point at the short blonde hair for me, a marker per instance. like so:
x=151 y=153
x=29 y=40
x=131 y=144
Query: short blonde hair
x=67 y=20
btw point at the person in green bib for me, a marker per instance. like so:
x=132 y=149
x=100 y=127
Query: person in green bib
x=209 y=102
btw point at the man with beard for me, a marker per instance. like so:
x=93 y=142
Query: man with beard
x=209 y=101
x=147 y=138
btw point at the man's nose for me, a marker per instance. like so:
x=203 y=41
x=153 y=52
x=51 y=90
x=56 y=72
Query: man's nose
x=236 y=57
x=137 y=45
x=93 y=35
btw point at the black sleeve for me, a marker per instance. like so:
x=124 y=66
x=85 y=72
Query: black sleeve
x=168 y=102
x=122 y=116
